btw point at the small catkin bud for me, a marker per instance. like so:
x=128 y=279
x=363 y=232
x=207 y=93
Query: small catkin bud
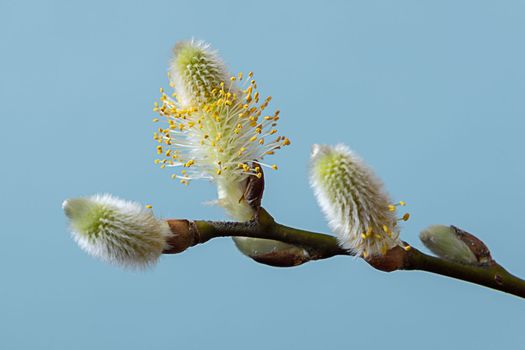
x=196 y=70
x=451 y=243
x=117 y=231
x=270 y=252
x=353 y=200
x=265 y=251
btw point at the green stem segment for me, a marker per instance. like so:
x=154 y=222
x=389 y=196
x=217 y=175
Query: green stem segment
x=322 y=246
x=491 y=275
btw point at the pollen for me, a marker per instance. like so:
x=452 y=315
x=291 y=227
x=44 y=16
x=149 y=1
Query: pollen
x=215 y=118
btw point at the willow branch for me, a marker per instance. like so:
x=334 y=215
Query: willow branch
x=323 y=246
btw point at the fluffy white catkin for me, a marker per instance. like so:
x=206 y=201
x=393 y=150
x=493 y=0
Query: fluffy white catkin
x=117 y=231
x=353 y=200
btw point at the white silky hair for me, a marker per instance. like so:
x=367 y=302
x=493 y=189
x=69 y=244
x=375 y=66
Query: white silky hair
x=353 y=201
x=117 y=231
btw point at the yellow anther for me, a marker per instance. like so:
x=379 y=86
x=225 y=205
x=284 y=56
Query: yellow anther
x=273 y=131
x=369 y=232
x=253 y=138
x=159 y=149
x=161 y=90
x=261 y=142
x=239 y=76
x=274 y=167
x=286 y=142
x=391 y=207
x=219 y=171
x=149 y=206
x=232 y=78
x=407 y=247
x=401 y=203
x=189 y=163
x=363 y=236
x=406 y=217
x=384 y=249
x=259 y=175
x=250 y=74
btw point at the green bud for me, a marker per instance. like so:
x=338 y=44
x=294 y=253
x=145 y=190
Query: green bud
x=452 y=243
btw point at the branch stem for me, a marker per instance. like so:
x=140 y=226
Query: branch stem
x=492 y=275
x=323 y=246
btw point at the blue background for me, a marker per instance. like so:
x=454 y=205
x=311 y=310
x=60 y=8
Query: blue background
x=431 y=94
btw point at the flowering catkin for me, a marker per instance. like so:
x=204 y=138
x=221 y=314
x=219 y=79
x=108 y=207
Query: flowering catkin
x=116 y=231
x=217 y=126
x=353 y=200
x=195 y=71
